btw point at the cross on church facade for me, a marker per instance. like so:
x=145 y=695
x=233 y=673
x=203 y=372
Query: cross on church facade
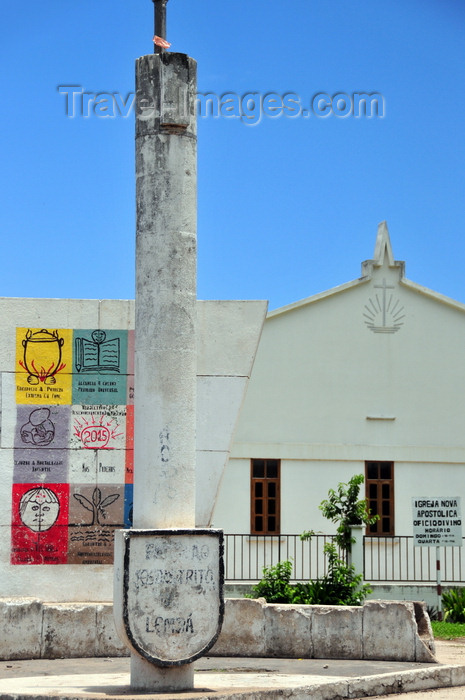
x=384 y=287
x=159 y=21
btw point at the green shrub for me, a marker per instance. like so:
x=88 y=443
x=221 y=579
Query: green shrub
x=453 y=603
x=274 y=586
x=340 y=586
x=433 y=612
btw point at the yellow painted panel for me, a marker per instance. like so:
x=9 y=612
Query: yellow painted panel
x=43 y=365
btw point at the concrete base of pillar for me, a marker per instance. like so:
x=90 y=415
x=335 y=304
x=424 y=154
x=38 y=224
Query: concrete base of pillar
x=147 y=676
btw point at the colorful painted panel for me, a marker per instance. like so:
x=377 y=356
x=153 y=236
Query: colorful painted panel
x=40 y=523
x=73 y=444
x=43 y=366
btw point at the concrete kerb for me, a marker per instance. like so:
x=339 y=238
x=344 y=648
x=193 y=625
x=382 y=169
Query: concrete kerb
x=113 y=682
x=403 y=682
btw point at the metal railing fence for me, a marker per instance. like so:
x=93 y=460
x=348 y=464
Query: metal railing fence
x=246 y=555
x=396 y=559
x=386 y=559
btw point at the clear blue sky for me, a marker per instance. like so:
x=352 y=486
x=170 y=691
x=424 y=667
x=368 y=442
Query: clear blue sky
x=288 y=207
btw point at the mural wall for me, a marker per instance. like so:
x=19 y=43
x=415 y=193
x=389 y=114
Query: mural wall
x=73 y=444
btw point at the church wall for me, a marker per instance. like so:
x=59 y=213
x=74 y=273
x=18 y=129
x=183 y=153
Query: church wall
x=303 y=486
x=232 y=508
x=372 y=370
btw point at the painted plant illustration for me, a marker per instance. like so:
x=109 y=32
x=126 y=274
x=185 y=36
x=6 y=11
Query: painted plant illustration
x=96 y=506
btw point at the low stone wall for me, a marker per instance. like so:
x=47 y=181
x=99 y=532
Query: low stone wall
x=388 y=630
x=31 y=629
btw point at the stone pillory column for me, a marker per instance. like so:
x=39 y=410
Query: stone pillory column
x=168 y=598
x=166 y=258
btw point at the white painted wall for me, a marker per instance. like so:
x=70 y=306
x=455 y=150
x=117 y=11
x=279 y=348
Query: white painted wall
x=228 y=337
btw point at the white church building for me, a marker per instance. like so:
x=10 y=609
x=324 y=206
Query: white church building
x=365 y=378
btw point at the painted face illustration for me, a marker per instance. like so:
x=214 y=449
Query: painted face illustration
x=39 y=508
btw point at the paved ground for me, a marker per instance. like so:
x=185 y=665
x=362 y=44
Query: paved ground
x=244 y=679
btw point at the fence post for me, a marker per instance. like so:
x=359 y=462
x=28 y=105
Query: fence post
x=355 y=556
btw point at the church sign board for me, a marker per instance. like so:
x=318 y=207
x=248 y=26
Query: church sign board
x=437 y=521
x=168 y=599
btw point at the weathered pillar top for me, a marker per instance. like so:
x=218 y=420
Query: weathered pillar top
x=165 y=96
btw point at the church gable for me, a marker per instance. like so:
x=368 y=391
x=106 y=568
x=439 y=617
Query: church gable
x=378 y=346
x=384 y=308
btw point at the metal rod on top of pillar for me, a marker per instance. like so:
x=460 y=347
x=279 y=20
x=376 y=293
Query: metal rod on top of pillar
x=159 y=23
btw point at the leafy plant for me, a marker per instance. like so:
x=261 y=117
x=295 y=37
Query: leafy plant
x=453 y=602
x=345 y=508
x=274 y=586
x=340 y=586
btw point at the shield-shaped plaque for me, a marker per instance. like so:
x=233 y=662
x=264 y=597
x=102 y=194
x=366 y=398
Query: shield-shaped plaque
x=169 y=602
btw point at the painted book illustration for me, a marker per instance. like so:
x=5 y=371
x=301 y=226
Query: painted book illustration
x=97 y=354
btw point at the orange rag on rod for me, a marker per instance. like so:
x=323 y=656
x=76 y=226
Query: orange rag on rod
x=158 y=41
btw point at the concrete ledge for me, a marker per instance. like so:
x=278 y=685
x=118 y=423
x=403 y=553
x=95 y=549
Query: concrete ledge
x=20 y=628
x=68 y=628
x=243 y=628
x=338 y=632
x=278 y=619
x=387 y=630
x=107 y=641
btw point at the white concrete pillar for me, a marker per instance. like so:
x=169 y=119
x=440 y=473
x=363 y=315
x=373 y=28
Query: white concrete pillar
x=166 y=254
x=165 y=336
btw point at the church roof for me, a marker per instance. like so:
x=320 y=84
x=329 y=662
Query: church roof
x=383 y=255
